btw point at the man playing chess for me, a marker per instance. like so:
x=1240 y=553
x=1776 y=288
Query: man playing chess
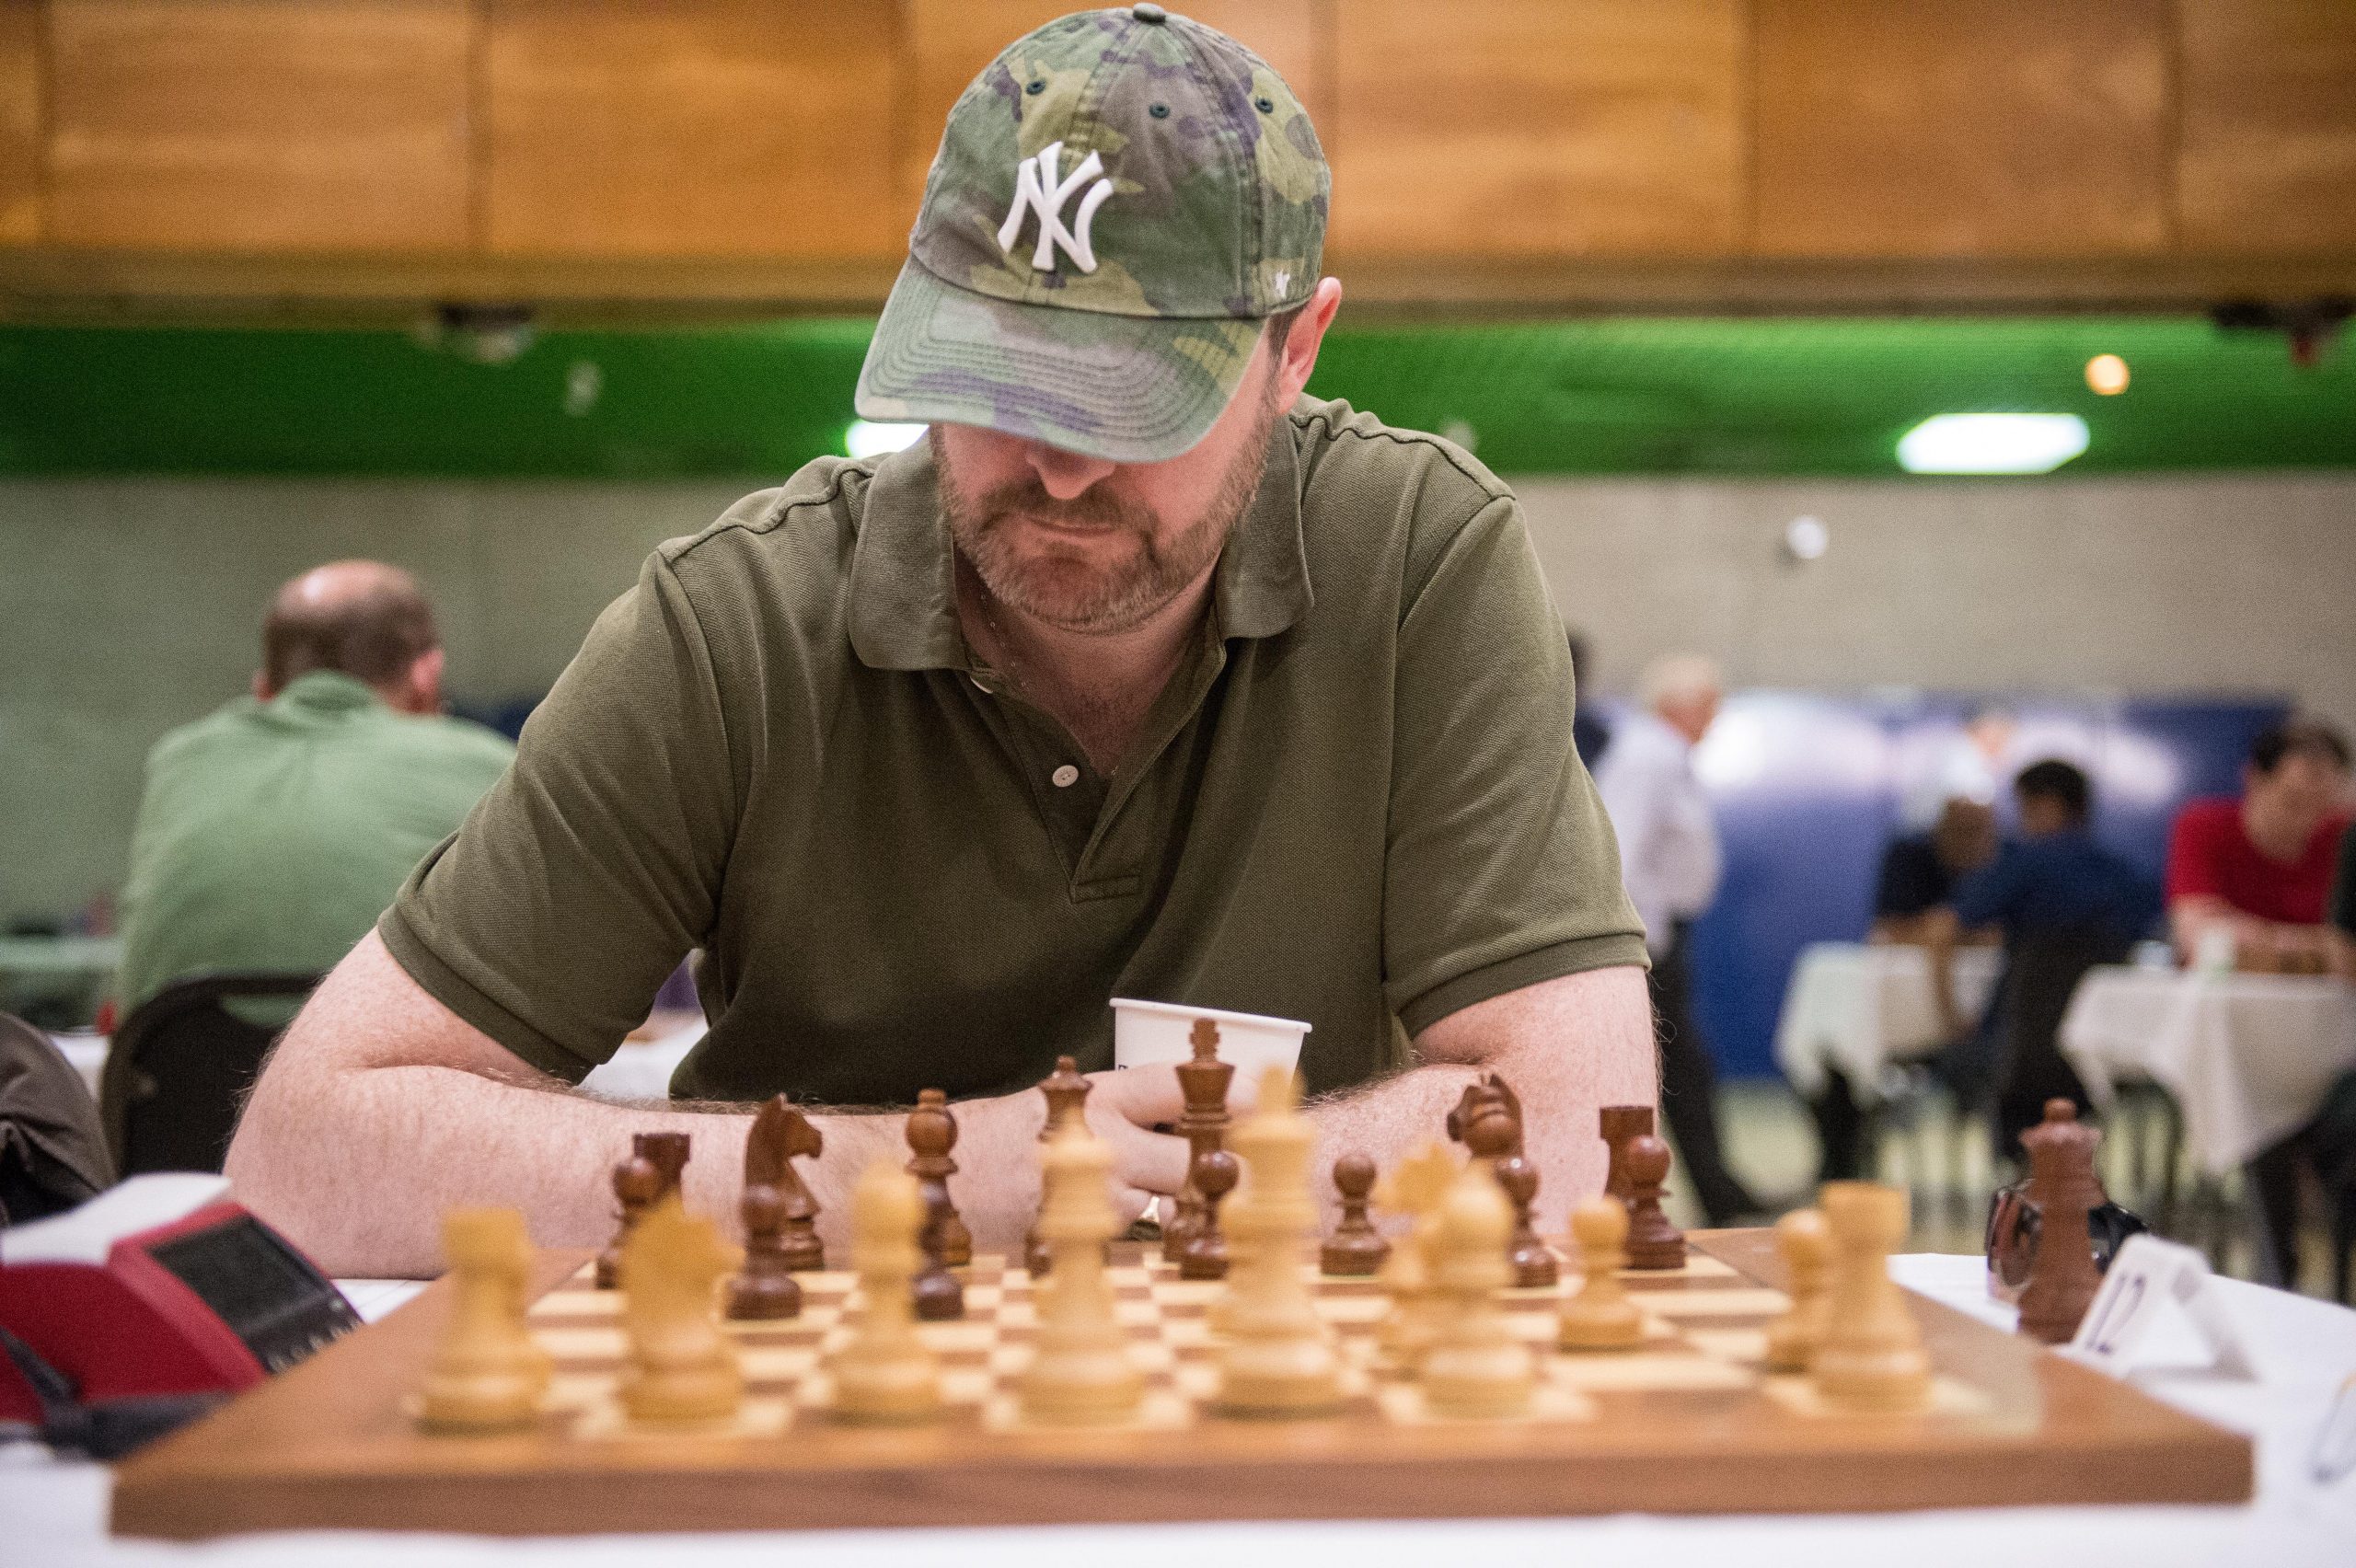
x=1144 y=674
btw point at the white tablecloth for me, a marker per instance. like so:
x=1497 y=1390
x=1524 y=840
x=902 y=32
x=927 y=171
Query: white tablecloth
x=1859 y=1006
x=52 y=1513
x=2249 y=1057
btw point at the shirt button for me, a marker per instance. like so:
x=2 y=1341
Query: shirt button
x=1064 y=777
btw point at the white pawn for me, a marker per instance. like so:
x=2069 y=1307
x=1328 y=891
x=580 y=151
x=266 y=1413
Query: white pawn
x=1082 y=1370
x=885 y=1372
x=1476 y=1366
x=1279 y=1358
x=1600 y=1317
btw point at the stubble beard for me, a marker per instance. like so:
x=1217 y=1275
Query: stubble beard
x=1063 y=586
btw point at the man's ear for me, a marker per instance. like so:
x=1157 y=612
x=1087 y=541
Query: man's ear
x=262 y=692
x=1307 y=335
x=424 y=683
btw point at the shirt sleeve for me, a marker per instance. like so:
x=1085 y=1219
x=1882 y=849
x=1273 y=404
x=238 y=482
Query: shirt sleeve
x=1909 y=884
x=555 y=913
x=2196 y=847
x=1500 y=868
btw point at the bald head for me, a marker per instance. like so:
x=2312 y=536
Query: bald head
x=366 y=620
x=1683 y=689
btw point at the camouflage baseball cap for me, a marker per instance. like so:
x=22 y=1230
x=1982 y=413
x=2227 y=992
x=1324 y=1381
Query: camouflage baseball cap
x=1119 y=200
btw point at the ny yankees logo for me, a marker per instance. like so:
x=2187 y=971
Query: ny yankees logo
x=1037 y=189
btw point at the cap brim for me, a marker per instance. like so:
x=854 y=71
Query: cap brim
x=1126 y=388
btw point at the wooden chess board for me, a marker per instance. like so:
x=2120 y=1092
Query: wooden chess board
x=1687 y=1422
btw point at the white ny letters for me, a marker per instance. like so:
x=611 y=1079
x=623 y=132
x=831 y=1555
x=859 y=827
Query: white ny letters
x=1037 y=190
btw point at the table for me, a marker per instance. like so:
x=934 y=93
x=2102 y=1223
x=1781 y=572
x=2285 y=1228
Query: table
x=1857 y=1007
x=2247 y=1056
x=52 y=1511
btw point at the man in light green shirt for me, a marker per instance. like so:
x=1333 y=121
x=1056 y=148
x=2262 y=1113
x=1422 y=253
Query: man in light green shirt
x=273 y=832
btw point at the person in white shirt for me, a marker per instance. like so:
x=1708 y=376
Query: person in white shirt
x=1670 y=862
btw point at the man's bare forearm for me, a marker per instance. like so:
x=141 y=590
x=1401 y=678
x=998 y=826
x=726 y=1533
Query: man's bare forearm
x=356 y=1157
x=1567 y=1046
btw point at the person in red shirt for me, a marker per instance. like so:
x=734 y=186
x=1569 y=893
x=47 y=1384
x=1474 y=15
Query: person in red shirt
x=2262 y=867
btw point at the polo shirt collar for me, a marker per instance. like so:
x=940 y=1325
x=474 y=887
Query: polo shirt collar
x=325 y=691
x=903 y=610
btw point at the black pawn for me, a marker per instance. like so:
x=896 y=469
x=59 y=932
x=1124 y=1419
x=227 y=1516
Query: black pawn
x=1356 y=1247
x=764 y=1289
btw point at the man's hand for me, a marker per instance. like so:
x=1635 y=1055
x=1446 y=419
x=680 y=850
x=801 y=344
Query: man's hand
x=997 y=1186
x=1126 y=1107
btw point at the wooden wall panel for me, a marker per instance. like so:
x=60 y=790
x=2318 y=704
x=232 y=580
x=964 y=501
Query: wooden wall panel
x=2266 y=158
x=21 y=128
x=717 y=128
x=949 y=41
x=1533 y=128
x=259 y=124
x=1961 y=127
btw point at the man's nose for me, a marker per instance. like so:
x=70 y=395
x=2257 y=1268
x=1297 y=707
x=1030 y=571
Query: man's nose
x=1065 y=475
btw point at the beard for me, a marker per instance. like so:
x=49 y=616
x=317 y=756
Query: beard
x=1077 y=589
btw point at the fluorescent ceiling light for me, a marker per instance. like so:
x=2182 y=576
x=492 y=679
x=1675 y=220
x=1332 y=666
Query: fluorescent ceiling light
x=865 y=439
x=1991 y=443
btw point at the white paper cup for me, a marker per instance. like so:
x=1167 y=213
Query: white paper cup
x=1146 y=1033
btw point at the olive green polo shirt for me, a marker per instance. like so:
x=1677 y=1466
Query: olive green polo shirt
x=272 y=835
x=1357 y=801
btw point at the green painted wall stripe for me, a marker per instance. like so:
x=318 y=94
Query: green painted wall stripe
x=1761 y=397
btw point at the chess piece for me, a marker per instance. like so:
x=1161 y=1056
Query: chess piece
x=1212 y=1175
x=1202 y=1080
x=931 y=1133
x=1806 y=1244
x=1356 y=1247
x=1279 y=1357
x=1081 y=1370
x=763 y=1289
x=2062 y=1277
x=884 y=1372
x=653 y=1168
x=1487 y=1122
x=487 y=1374
x=637 y=1184
x=1871 y=1358
x=1476 y=1365
x=1066 y=1095
x=1653 y=1241
x=779 y=1135
x=1601 y=1316
x=682 y=1368
x=1413 y=1189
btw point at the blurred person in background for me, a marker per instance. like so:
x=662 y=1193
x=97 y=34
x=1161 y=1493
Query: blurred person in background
x=2271 y=880
x=273 y=832
x=1920 y=871
x=2249 y=878
x=1590 y=731
x=1670 y=859
x=1917 y=877
x=2064 y=904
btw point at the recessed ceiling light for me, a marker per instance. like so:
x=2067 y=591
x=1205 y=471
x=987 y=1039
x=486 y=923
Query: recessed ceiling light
x=1991 y=443
x=867 y=439
x=2107 y=374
